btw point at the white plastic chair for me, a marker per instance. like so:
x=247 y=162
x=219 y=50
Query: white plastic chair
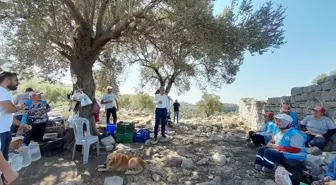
x=85 y=141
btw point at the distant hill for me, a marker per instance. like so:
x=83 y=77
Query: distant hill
x=230 y=107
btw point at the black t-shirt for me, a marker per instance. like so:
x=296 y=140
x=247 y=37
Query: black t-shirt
x=176 y=106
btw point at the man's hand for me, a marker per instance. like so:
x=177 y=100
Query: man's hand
x=20 y=107
x=308 y=132
x=26 y=127
x=327 y=179
x=10 y=177
x=319 y=136
x=160 y=102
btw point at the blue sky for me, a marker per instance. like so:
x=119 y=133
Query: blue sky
x=310 y=50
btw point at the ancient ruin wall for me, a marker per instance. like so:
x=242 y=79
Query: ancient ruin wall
x=250 y=111
x=302 y=99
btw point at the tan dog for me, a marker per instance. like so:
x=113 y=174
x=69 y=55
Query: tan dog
x=129 y=164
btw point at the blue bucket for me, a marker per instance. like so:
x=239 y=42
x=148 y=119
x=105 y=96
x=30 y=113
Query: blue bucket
x=110 y=129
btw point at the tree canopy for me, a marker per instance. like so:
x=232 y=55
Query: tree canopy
x=192 y=43
x=323 y=75
x=209 y=104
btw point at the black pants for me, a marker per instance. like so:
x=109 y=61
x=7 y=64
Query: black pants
x=35 y=134
x=112 y=111
x=256 y=139
x=160 y=117
x=6 y=139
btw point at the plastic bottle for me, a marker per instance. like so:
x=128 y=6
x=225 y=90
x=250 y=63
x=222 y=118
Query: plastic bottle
x=35 y=152
x=24 y=118
x=15 y=161
x=26 y=157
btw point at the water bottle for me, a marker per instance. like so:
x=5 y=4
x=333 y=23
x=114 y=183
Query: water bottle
x=24 y=118
x=15 y=161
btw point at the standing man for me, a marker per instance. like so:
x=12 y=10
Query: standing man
x=8 y=82
x=161 y=101
x=110 y=107
x=176 y=111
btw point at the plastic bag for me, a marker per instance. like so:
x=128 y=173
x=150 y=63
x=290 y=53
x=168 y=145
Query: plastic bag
x=85 y=100
x=78 y=95
x=282 y=176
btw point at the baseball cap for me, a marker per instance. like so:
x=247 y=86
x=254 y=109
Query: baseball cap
x=269 y=114
x=320 y=108
x=284 y=117
x=285 y=108
x=34 y=93
x=109 y=87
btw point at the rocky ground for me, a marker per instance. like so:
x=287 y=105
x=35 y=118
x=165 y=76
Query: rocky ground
x=202 y=153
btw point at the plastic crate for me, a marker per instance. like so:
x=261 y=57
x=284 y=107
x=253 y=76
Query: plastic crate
x=123 y=127
x=124 y=138
x=110 y=129
x=51 y=147
x=141 y=136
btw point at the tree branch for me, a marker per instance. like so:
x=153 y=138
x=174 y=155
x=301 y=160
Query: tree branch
x=100 y=19
x=74 y=11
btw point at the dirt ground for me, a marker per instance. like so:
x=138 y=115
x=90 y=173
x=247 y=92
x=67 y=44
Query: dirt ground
x=185 y=142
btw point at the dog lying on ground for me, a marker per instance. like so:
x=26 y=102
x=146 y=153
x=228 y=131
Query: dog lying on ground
x=129 y=164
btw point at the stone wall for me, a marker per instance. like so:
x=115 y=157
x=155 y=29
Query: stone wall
x=302 y=99
x=250 y=111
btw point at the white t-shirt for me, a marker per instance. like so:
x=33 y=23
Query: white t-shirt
x=6 y=119
x=164 y=99
x=109 y=97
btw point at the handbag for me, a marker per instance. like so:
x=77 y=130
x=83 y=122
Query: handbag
x=95 y=108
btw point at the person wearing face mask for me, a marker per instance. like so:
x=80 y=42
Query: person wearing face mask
x=288 y=143
x=318 y=128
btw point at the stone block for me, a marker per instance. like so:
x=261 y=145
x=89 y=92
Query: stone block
x=302 y=105
x=310 y=104
x=332 y=95
x=328 y=85
x=296 y=91
x=114 y=180
x=298 y=110
x=294 y=105
x=331 y=113
x=304 y=97
x=325 y=96
x=314 y=94
x=308 y=89
x=298 y=98
x=330 y=78
x=292 y=99
x=317 y=87
x=328 y=105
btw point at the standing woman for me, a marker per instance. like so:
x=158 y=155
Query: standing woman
x=162 y=108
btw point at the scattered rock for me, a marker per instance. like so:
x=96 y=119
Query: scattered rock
x=188 y=164
x=156 y=177
x=269 y=182
x=114 y=180
x=203 y=161
x=79 y=182
x=221 y=159
x=188 y=183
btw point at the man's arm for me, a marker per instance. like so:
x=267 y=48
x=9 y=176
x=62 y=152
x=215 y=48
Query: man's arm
x=10 y=107
x=303 y=125
x=16 y=101
x=156 y=99
x=117 y=103
x=16 y=122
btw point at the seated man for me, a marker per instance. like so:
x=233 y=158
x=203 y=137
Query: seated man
x=263 y=136
x=37 y=117
x=285 y=109
x=318 y=128
x=288 y=143
x=330 y=176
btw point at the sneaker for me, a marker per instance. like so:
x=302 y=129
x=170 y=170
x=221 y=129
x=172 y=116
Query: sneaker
x=154 y=141
x=267 y=170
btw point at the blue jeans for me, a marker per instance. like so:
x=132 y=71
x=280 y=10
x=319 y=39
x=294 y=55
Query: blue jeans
x=160 y=117
x=314 y=141
x=6 y=139
x=176 y=115
x=268 y=157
